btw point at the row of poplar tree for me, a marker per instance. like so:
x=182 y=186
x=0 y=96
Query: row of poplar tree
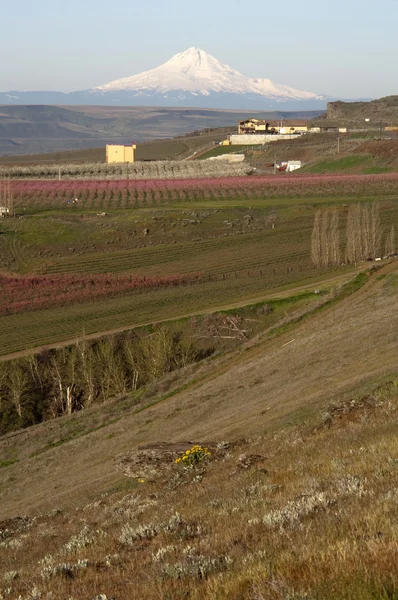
x=364 y=236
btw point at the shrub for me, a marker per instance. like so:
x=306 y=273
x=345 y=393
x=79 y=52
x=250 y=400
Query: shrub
x=193 y=456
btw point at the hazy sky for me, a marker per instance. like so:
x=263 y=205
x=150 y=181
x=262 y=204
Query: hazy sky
x=347 y=48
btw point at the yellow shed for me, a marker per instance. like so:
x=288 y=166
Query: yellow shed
x=120 y=154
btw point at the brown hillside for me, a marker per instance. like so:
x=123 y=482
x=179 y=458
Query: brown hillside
x=270 y=384
x=385 y=109
x=385 y=149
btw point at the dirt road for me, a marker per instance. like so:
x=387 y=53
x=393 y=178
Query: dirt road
x=283 y=293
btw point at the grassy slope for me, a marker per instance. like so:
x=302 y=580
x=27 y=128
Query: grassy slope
x=335 y=351
x=355 y=163
x=220 y=150
x=327 y=495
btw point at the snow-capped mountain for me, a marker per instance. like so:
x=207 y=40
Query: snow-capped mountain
x=195 y=72
x=192 y=78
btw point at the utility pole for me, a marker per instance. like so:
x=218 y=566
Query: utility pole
x=59 y=173
x=338 y=144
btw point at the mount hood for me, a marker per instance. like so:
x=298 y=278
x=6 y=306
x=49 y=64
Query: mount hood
x=196 y=76
x=192 y=78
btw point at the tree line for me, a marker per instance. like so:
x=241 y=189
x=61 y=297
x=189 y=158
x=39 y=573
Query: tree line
x=363 y=236
x=47 y=385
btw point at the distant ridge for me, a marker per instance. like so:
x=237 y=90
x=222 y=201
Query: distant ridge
x=42 y=128
x=384 y=109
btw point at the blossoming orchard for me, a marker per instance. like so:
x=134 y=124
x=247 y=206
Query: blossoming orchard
x=107 y=194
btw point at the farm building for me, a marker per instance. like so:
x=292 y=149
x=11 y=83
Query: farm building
x=293 y=165
x=249 y=139
x=252 y=126
x=328 y=126
x=120 y=154
x=257 y=126
x=290 y=129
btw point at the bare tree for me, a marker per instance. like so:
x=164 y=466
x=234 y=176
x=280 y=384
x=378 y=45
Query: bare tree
x=36 y=371
x=316 y=240
x=363 y=232
x=18 y=385
x=87 y=369
x=325 y=239
x=390 y=247
x=134 y=361
x=186 y=353
x=334 y=239
x=354 y=234
x=6 y=197
x=375 y=230
x=366 y=250
x=63 y=370
x=3 y=383
x=157 y=350
x=111 y=373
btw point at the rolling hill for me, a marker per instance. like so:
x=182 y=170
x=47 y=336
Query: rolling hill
x=33 y=129
x=384 y=110
x=297 y=498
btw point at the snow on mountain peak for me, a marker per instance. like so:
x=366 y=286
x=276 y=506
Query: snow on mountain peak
x=197 y=72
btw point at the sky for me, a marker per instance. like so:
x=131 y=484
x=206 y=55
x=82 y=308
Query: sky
x=343 y=48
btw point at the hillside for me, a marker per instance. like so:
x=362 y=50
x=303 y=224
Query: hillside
x=37 y=129
x=297 y=499
x=176 y=148
x=198 y=378
x=351 y=345
x=383 y=109
x=364 y=152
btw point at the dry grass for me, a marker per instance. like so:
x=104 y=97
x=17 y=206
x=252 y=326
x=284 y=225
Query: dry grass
x=301 y=505
x=304 y=513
